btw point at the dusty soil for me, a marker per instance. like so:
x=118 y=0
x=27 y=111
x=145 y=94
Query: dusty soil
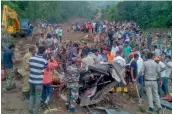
x=12 y=102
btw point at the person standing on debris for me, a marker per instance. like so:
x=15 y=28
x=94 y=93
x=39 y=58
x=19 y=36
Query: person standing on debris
x=110 y=56
x=47 y=81
x=90 y=27
x=86 y=49
x=100 y=28
x=63 y=59
x=25 y=72
x=43 y=26
x=110 y=37
x=134 y=67
x=127 y=50
x=8 y=62
x=37 y=64
x=115 y=48
x=160 y=42
x=119 y=59
x=151 y=72
x=164 y=85
x=157 y=52
x=41 y=40
x=49 y=42
x=98 y=56
x=57 y=32
x=72 y=53
x=73 y=75
x=60 y=34
x=87 y=60
x=141 y=78
x=168 y=49
x=54 y=39
x=94 y=27
x=127 y=35
x=149 y=41
x=168 y=71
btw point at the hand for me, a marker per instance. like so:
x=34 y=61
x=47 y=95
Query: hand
x=160 y=82
x=134 y=81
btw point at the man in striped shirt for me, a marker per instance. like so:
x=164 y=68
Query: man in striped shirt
x=37 y=65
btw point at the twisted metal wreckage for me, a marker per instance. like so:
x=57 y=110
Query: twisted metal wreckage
x=98 y=81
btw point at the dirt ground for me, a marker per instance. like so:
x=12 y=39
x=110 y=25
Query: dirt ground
x=12 y=101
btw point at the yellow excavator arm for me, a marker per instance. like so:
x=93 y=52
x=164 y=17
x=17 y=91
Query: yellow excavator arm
x=10 y=20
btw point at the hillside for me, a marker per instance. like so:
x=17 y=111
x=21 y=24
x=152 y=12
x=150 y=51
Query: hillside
x=52 y=11
x=147 y=14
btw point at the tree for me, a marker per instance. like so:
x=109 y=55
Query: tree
x=51 y=11
x=146 y=14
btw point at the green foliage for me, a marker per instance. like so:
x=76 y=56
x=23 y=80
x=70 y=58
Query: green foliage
x=146 y=14
x=51 y=10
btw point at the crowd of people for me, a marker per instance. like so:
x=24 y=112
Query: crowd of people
x=149 y=65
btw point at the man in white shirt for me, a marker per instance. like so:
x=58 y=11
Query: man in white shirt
x=114 y=49
x=167 y=74
x=141 y=78
x=99 y=57
x=157 y=52
x=43 y=26
x=94 y=25
x=164 y=86
x=119 y=59
x=60 y=33
x=168 y=64
x=41 y=40
x=57 y=32
x=86 y=61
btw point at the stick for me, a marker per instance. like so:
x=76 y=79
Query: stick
x=89 y=109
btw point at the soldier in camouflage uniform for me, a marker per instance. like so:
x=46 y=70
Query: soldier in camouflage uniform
x=73 y=74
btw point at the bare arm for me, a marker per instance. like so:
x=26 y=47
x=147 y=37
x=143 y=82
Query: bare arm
x=169 y=66
x=137 y=77
x=132 y=73
x=13 y=60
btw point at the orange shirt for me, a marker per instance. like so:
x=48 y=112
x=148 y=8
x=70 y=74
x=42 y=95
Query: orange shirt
x=48 y=78
x=110 y=57
x=131 y=55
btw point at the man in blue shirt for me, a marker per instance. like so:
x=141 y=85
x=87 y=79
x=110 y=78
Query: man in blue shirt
x=86 y=49
x=8 y=61
x=134 y=67
x=72 y=53
x=127 y=35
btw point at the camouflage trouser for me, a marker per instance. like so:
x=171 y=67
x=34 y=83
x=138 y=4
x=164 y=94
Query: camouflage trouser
x=9 y=78
x=72 y=96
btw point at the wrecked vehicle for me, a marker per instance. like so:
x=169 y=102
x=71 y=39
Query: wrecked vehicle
x=98 y=81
